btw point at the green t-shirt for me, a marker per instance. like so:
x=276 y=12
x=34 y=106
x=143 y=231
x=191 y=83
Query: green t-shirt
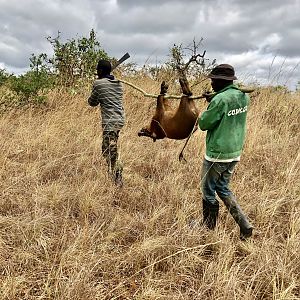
x=225 y=122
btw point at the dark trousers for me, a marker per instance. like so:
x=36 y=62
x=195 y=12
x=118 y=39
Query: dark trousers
x=215 y=179
x=110 y=151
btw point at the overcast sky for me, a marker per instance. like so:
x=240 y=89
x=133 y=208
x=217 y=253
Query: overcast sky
x=260 y=38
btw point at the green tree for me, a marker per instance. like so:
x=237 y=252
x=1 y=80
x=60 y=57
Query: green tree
x=31 y=87
x=34 y=84
x=4 y=76
x=76 y=59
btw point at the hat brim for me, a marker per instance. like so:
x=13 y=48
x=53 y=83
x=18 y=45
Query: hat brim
x=221 y=77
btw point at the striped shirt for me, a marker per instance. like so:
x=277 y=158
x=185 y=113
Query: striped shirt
x=109 y=94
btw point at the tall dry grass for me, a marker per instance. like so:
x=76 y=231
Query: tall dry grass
x=66 y=232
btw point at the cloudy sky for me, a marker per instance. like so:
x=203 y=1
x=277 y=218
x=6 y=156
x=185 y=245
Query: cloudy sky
x=260 y=38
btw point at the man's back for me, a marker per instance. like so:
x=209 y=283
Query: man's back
x=225 y=122
x=109 y=94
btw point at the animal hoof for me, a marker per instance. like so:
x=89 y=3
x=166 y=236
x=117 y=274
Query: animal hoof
x=185 y=87
x=163 y=88
x=143 y=132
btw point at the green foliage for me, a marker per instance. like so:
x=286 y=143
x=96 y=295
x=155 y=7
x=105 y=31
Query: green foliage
x=72 y=64
x=32 y=86
x=280 y=88
x=75 y=60
x=4 y=76
x=40 y=63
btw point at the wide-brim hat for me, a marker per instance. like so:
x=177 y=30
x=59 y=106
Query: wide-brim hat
x=223 y=71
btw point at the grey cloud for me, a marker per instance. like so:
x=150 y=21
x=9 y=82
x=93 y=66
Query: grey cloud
x=13 y=56
x=158 y=3
x=263 y=68
x=263 y=6
x=244 y=31
x=151 y=20
x=30 y=27
x=290 y=44
x=263 y=18
x=140 y=47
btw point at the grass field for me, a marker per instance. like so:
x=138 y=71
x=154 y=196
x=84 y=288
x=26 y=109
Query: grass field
x=66 y=232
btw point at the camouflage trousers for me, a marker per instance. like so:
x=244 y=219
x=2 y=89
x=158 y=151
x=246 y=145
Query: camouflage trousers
x=110 y=152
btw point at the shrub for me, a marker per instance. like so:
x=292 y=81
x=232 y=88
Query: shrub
x=75 y=60
x=4 y=76
x=31 y=86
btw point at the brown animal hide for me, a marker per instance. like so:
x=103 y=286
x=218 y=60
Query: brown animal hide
x=169 y=123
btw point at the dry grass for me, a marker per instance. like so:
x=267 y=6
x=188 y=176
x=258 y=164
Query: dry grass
x=66 y=232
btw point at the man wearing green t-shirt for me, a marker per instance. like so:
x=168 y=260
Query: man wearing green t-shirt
x=225 y=123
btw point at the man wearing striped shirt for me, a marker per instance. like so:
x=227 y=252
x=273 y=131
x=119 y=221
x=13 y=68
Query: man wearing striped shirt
x=225 y=123
x=108 y=93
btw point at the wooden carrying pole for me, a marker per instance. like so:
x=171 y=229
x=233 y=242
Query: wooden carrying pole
x=243 y=89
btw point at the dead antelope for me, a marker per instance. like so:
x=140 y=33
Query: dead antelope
x=170 y=123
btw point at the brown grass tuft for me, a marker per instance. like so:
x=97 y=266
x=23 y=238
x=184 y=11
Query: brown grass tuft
x=66 y=232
